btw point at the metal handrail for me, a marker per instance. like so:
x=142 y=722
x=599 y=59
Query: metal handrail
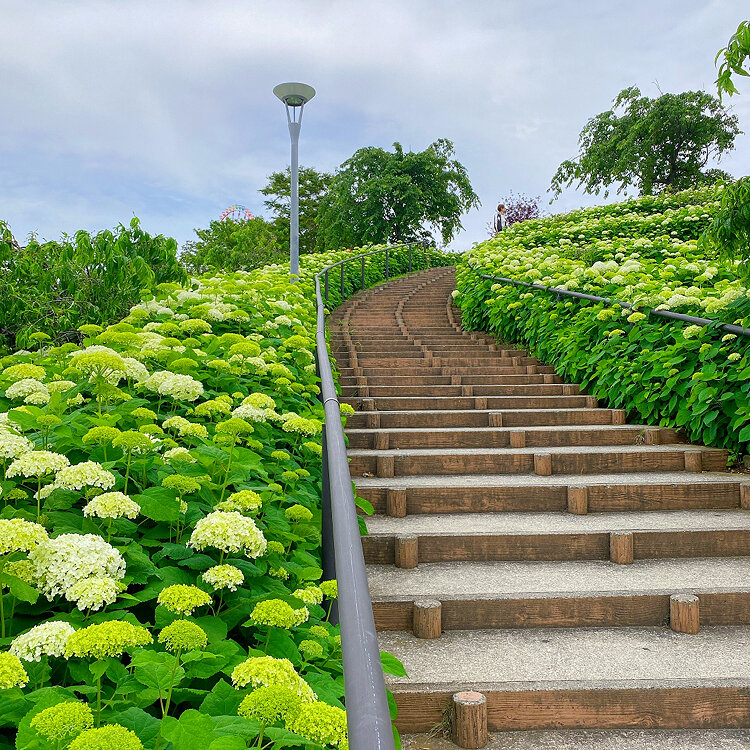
x=737 y=330
x=368 y=716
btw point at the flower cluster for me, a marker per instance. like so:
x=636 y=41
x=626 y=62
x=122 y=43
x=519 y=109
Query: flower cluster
x=228 y=531
x=278 y=614
x=112 y=505
x=46 y=639
x=258 y=671
x=320 y=723
x=183 y=599
x=183 y=635
x=12 y=673
x=223 y=577
x=63 y=720
x=17 y=535
x=110 y=638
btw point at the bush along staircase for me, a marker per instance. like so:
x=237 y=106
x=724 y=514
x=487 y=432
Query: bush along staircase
x=536 y=562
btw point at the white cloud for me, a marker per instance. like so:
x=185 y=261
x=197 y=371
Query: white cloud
x=164 y=109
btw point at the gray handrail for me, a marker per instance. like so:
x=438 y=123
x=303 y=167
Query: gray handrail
x=367 y=715
x=737 y=330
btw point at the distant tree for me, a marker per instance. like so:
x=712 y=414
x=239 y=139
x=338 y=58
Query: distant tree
x=518 y=207
x=401 y=196
x=735 y=60
x=651 y=144
x=232 y=246
x=313 y=186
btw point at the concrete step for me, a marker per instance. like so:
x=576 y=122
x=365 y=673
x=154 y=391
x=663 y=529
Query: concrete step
x=554 y=460
x=512 y=369
x=604 y=678
x=588 y=739
x=425 y=380
x=605 y=493
x=501 y=437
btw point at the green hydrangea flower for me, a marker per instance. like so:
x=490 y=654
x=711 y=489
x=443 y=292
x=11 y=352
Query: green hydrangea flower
x=183 y=635
x=270 y=704
x=298 y=513
x=183 y=599
x=267 y=671
x=63 y=721
x=329 y=589
x=12 y=673
x=278 y=614
x=111 y=638
x=109 y=737
x=310 y=649
x=321 y=723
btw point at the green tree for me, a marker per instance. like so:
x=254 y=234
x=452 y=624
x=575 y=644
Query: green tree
x=651 y=144
x=735 y=56
x=232 y=246
x=313 y=186
x=380 y=196
x=729 y=232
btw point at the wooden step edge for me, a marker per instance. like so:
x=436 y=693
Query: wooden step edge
x=379 y=549
x=580 y=610
x=666 y=704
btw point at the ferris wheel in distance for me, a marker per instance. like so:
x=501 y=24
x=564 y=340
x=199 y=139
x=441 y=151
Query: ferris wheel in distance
x=236 y=213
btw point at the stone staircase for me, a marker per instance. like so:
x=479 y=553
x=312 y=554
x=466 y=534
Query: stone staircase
x=530 y=552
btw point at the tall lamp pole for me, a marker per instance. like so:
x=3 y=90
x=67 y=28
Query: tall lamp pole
x=294 y=96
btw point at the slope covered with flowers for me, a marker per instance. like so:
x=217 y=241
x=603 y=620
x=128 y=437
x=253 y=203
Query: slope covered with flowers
x=159 y=537
x=645 y=252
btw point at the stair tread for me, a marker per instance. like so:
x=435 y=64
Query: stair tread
x=556 y=480
x=572 y=739
x=530 y=428
x=549 y=658
x=462 y=524
x=461 y=580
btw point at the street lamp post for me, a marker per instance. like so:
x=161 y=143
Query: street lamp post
x=294 y=96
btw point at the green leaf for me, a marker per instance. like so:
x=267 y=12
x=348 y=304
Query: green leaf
x=222 y=700
x=159 y=504
x=192 y=731
x=157 y=670
x=20 y=589
x=139 y=721
x=391 y=665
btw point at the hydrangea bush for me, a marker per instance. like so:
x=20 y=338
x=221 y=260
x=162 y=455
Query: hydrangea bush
x=160 y=529
x=646 y=252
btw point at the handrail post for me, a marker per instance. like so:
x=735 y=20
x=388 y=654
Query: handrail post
x=363 y=273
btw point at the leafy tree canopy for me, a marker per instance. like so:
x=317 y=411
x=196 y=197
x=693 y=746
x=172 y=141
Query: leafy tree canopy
x=735 y=57
x=232 y=246
x=313 y=186
x=652 y=144
x=380 y=196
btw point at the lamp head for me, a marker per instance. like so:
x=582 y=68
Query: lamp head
x=294 y=94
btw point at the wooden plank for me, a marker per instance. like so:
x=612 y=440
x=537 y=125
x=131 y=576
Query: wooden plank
x=706 y=543
x=604 y=497
x=585 y=708
x=556 y=612
x=727 y=608
x=485 y=547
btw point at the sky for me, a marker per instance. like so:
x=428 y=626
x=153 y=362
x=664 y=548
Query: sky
x=163 y=109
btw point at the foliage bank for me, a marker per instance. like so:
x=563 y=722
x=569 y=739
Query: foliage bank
x=53 y=287
x=645 y=252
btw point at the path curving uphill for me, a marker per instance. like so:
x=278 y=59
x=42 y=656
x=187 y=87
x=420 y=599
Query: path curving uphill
x=534 y=547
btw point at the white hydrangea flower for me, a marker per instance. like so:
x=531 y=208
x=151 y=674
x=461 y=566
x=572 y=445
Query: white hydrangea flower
x=47 y=639
x=135 y=370
x=13 y=445
x=69 y=558
x=59 y=386
x=251 y=413
x=224 y=577
x=112 y=505
x=25 y=388
x=228 y=531
x=179 y=455
x=94 y=592
x=37 y=464
x=86 y=474
x=179 y=387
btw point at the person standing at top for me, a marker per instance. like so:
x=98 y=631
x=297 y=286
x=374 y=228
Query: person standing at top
x=500 y=221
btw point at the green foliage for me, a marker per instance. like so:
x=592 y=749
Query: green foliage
x=651 y=144
x=735 y=56
x=232 y=246
x=378 y=196
x=53 y=287
x=729 y=232
x=313 y=186
x=250 y=336
x=644 y=252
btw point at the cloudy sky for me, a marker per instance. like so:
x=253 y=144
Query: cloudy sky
x=164 y=109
